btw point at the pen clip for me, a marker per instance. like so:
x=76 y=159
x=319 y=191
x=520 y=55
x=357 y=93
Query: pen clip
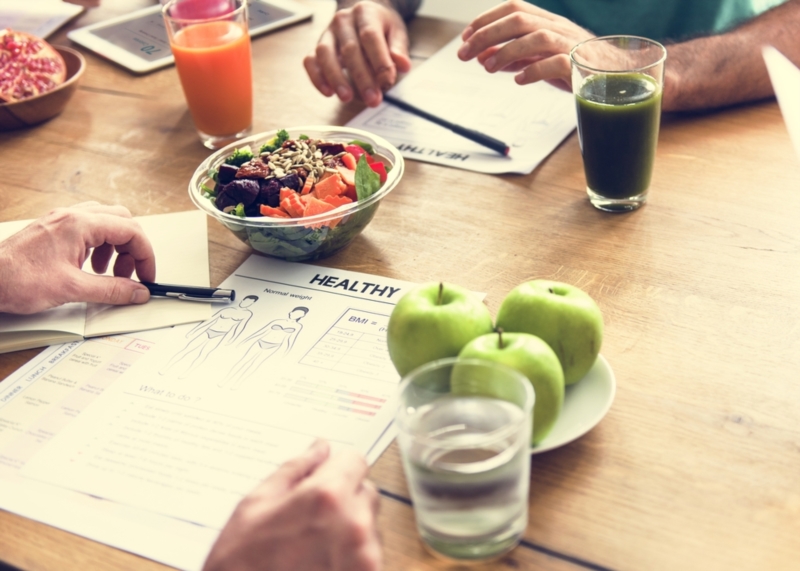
x=186 y=297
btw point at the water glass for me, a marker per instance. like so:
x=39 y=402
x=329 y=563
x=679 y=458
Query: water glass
x=211 y=45
x=464 y=436
x=617 y=82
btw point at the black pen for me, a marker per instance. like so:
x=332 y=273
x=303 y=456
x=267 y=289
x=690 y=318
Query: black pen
x=190 y=293
x=474 y=136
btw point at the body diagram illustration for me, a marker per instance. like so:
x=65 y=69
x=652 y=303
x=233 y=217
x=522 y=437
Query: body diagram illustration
x=224 y=327
x=275 y=339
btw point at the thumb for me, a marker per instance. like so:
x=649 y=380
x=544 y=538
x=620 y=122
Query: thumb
x=108 y=289
x=295 y=470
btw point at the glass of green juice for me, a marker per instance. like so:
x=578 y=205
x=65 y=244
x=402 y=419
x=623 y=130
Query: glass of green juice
x=617 y=82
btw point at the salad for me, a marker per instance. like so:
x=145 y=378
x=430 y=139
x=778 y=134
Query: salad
x=297 y=197
x=296 y=178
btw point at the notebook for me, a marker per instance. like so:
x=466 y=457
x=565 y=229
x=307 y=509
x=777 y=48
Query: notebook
x=180 y=241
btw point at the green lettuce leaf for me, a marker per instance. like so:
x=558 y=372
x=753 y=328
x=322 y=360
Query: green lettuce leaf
x=367 y=180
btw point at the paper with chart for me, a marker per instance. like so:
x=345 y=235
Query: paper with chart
x=41 y=399
x=210 y=410
x=531 y=119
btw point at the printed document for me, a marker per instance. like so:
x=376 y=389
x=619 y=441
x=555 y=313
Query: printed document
x=36 y=403
x=193 y=423
x=531 y=119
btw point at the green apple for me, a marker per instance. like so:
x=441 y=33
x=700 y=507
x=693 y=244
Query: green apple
x=434 y=321
x=530 y=356
x=561 y=314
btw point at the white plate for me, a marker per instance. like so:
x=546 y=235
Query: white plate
x=585 y=404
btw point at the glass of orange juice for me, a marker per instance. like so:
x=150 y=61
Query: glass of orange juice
x=211 y=46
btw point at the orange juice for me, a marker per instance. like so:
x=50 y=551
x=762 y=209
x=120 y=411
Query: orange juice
x=214 y=64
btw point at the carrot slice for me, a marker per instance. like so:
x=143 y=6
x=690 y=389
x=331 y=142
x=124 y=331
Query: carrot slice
x=273 y=212
x=293 y=206
x=348 y=175
x=349 y=161
x=286 y=192
x=332 y=185
x=316 y=206
x=337 y=200
x=308 y=184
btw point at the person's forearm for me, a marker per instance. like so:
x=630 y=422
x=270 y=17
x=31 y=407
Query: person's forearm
x=726 y=69
x=406 y=8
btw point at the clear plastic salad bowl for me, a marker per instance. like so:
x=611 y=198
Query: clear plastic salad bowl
x=311 y=237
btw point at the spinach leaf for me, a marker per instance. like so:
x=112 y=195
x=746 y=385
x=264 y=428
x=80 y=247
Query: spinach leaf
x=367 y=180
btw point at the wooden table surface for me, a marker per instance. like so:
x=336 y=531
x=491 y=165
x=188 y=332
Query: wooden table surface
x=696 y=466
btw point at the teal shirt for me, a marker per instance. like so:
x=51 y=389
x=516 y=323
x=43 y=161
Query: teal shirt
x=655 y=19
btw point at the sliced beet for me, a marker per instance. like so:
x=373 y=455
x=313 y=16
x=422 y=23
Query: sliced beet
x=240 y=190
x=253 y=210
x=223 y=201
x=291 y=181
x=226 y=173
x=270 y=193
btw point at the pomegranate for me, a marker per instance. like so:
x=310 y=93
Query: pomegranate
x=28 y=66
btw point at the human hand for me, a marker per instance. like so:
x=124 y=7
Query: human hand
x=537 y=43
x=368 y=43
x=40 y=266
x=316 y=513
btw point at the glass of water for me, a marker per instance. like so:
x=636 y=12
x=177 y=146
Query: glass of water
x=464 y=436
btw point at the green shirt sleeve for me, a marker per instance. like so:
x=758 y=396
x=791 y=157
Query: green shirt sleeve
x=657 y=19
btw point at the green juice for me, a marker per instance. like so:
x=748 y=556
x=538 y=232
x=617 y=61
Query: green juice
x=618 y=119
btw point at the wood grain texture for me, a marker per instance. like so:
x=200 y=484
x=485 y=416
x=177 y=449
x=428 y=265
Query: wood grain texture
x=698 y=462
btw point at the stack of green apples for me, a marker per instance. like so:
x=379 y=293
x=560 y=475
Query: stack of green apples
x=549 y=331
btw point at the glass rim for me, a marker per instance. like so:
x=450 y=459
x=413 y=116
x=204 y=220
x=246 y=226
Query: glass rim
x=334 y=133
x=226 y=16
x=499 y=434
x=654 y=43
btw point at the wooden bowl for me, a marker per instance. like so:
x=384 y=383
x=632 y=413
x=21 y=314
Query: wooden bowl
x=42 y=107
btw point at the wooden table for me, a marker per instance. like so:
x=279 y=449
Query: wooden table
x=696 y=466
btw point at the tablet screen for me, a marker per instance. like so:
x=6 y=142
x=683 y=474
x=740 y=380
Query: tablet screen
x=146 y=36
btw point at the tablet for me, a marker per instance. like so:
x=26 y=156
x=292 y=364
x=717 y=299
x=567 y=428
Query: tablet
x=138 y=41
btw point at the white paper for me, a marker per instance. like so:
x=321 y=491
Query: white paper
x=531 y=119
x=197 y=422
x=785 y=77
x=36 y=403
x=40 y=17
